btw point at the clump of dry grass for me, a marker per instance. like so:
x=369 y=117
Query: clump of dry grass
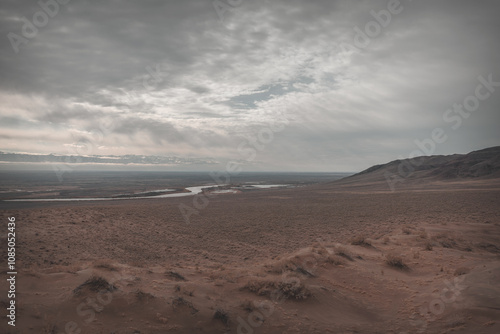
x=304 y=272
x=488 y=247
x=95 y=284
x=396 y=261
x=406 y=230
x=448 y=243
x=360 y=240
x=143 y=296
x=423 y=234
x=461 y=271
x=445 y=240
x=336 y=260
x=248 y=306
x=180 y=302
x=341 y=251
x=221 y=315
x=282 y=265
x=319 y=249
x=428 y=246
x=176 y=276
x=297 y=263
x=289 y=289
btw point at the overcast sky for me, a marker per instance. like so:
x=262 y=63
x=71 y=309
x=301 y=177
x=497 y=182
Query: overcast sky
x=316 y=85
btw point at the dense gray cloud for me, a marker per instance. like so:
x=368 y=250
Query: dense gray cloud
x=284 y=85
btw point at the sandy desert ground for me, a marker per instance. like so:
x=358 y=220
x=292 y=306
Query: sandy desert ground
x=316 y=259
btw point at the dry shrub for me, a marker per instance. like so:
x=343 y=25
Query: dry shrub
x=180 y=302
x=282 y=265
x=289 y=289
x=448 y=243
x=221 y=315
x=488 y=247
x=461 y=271
x=304 y=272
x=341 y=251
x=428 y=246
x=455 y=324
x=336 y=260
x=445 y=240
x=143 y=296
x=175 y=276
x=297 y=263
x=95 y=284
x=248 y=306
x=423 y=234
x=406 y=230
x=319 y=249
x=360 y=240
x=396 y=261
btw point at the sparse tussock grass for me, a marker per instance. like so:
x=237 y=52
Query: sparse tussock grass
x=423 y=234
x=176 y=276
x=445 y=240
x=95 y=284
x=143 y=296
x=320 y=249
x=395 y=261
x=221 y=315
x=448 y=243
x=248 y=306
x=304 y=272
x=291 y=288
x=342 y=251
x=297 y=263
x=360 y=240
x=336 y=260
x=179 y=302
x=461 y=271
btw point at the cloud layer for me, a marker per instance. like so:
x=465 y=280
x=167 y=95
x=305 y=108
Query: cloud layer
x=283 y=85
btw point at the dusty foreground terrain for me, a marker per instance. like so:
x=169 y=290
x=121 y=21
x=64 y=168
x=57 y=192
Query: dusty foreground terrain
x=319 y=259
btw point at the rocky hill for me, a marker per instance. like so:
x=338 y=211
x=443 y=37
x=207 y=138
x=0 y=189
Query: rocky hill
x=477 y=165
